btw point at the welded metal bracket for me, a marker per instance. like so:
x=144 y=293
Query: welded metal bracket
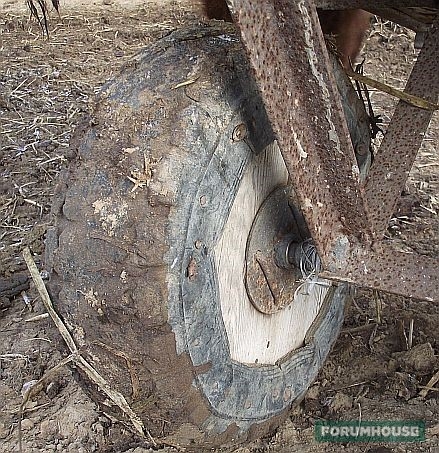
x=346 y=218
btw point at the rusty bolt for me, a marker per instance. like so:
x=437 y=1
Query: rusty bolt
x=239 y=133
x=361 y=149
x=282 y=253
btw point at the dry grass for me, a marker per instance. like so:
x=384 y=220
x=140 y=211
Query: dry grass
x=45 y=87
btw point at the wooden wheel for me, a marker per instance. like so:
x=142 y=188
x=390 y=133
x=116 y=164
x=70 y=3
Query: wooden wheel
x=175 y=179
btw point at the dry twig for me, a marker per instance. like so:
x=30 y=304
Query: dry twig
x=406 y=97
x=430 y=385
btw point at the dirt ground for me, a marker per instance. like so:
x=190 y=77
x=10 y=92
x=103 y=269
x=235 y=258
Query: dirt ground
x=377 y=370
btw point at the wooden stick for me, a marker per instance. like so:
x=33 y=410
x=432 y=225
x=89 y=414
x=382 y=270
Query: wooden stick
x=41 y=288
x=409 y=98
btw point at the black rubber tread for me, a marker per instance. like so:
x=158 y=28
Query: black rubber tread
x=122 y=254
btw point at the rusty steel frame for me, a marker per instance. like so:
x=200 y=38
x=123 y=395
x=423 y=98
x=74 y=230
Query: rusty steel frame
x=346 y=219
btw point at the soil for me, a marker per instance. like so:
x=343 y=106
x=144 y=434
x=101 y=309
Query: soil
x=377 y=369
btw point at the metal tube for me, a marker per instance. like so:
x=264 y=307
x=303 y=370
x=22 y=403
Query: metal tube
x=287 y=51
x=403 y=138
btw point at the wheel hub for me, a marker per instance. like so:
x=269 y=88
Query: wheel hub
x=273 y=253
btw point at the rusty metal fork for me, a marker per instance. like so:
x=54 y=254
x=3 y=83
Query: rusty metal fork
x=287 y=52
